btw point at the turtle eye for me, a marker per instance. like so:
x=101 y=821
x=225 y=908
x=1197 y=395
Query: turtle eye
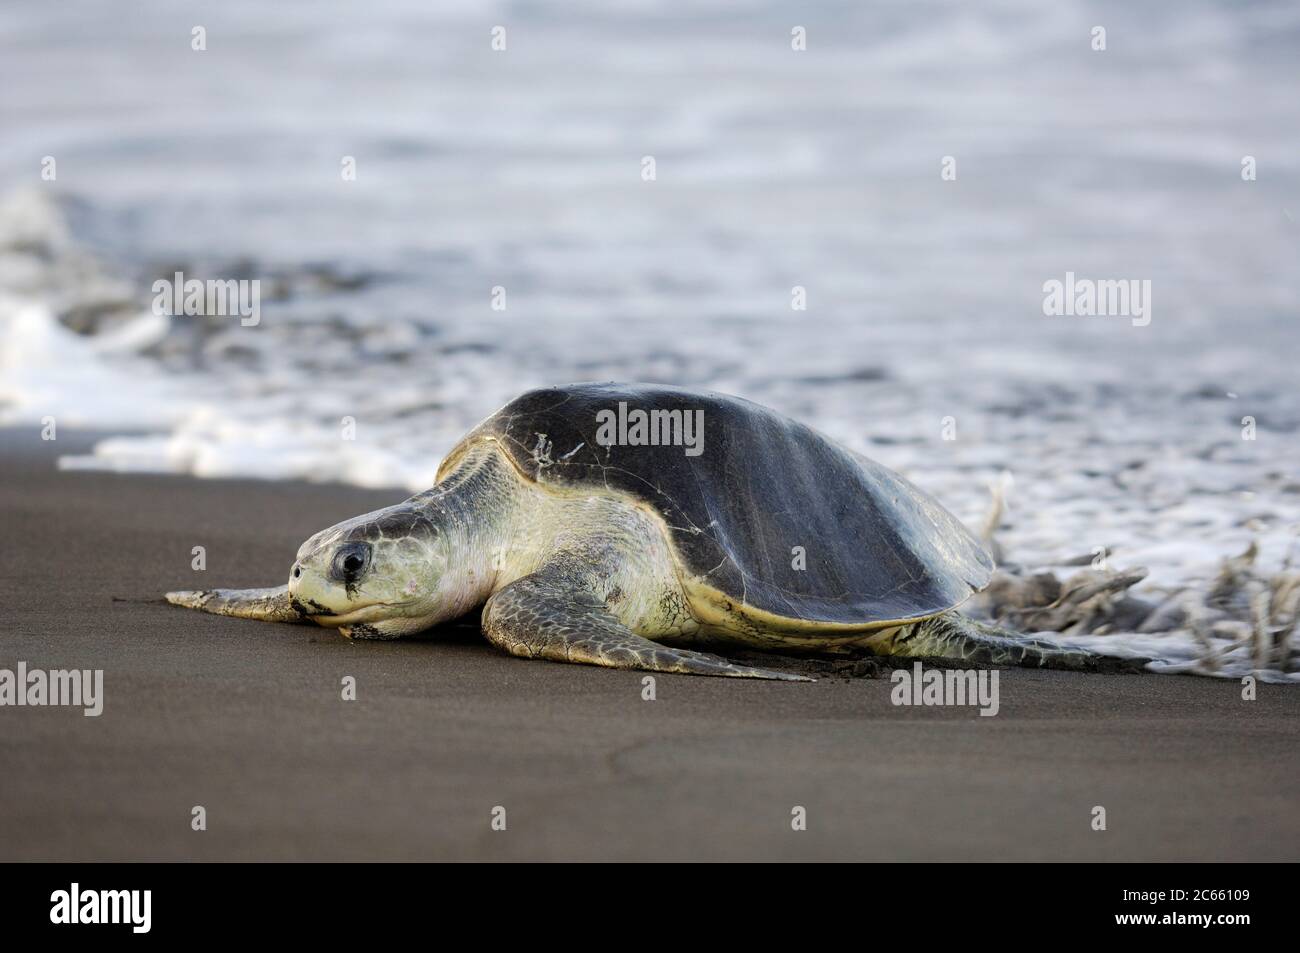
x=350 y=561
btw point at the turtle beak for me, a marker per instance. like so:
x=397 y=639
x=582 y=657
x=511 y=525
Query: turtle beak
x=305 y=594
x=305 y=610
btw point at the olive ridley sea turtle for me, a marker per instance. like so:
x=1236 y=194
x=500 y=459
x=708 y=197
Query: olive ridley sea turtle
x=628 y=525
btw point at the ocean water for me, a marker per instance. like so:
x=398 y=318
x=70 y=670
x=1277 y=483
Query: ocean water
x=820 y=169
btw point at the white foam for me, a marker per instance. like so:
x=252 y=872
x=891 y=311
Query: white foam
x=47 y=370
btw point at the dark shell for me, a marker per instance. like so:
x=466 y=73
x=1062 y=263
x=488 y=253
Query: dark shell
x=877 y=548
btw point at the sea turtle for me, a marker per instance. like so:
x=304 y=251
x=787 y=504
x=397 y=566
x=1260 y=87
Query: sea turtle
x=627 y=525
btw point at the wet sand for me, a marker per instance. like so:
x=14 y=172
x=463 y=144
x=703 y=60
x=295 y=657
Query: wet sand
x=246 y=720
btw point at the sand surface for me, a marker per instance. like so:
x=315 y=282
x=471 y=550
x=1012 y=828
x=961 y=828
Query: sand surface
x=246 y=720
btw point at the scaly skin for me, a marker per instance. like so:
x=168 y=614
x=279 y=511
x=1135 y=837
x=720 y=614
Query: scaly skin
x=266 y=605
x=552 y=615
x=955 y=636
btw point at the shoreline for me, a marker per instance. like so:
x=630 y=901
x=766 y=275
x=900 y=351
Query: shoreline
x=246 y=720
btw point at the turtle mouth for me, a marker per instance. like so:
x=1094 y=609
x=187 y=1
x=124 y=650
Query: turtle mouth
x=322 y=615
x=307 y=608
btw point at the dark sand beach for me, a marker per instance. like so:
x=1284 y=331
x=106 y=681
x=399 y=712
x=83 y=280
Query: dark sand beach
x=246 y=720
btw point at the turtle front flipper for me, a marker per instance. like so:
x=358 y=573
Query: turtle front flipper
x=538 y=617
x=952 y=635
x=266 y=605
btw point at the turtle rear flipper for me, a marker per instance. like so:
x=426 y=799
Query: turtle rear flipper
x=539 y=617
x=266 y=605
x=952 y=635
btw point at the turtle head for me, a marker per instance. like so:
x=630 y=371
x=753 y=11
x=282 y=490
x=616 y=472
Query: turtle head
x=375 y=576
